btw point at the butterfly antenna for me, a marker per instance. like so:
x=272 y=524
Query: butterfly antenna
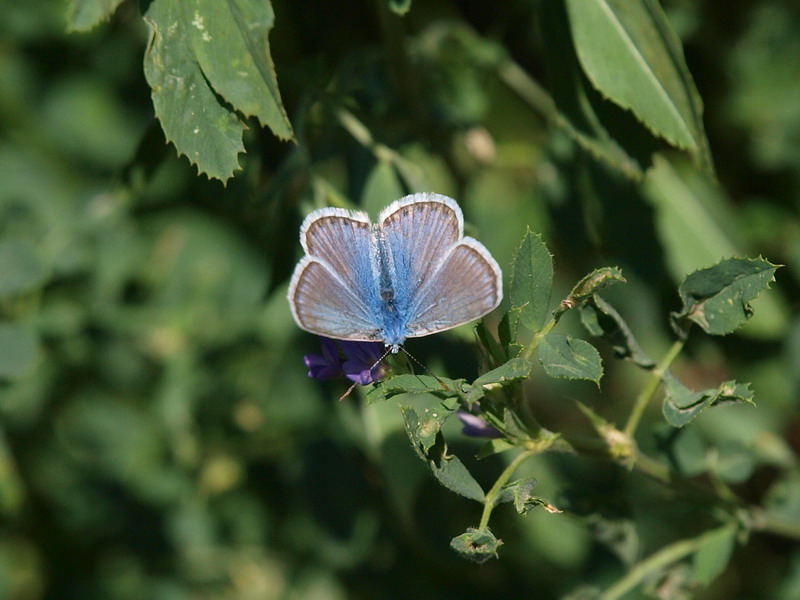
x=377 y=362
x=426 y=369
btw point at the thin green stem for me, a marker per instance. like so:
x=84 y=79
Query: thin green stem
x=644 y=397
x=655 y=562
x=491 y=497
x=530 y=350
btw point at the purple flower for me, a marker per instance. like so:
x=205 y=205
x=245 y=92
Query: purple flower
x=475 y=426
x=362 y=362
x=358 y=361
x=325 y=367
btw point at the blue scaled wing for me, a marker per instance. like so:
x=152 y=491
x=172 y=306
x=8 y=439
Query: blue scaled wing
x=441 y=278
x=332 y=291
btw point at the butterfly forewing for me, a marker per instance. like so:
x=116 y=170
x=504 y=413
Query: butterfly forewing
x=420 y=231
x=467 y=285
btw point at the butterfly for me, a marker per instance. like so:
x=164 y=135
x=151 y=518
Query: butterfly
x=413 y=273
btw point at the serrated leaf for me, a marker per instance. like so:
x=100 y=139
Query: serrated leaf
x=82 y=15
x=513 y=370
x=714 y=553
x=718 y=298
x=453 y=475
x=531 y=281
x=231 y=42
x=514 y=425
x=681 y=404
x=208 y=133
x=570 y=358
x=630 y=54
x=477 y=545
x=603 y=321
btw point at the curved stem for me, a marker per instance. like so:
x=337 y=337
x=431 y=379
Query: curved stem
x=491 y=496
x=666 y=556
x=644 y=397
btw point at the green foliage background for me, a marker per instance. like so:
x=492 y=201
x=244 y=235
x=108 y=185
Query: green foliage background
x=159 y=438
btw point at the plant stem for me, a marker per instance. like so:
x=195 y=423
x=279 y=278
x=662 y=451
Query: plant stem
x=666 y=556
x=491 y=497
x=644 y=397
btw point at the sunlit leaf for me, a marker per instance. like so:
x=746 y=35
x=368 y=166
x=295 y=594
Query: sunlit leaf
x=630 y=53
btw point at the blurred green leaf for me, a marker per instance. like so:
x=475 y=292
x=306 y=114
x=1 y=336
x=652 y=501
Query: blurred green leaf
x=681 y=404
x=718 y=298
x=399 y=7
x=570 y=358
x=82 y=15
x=630 y=53
x=21 y=267
x=714 y=552
x=531 y=282
x=19 y=349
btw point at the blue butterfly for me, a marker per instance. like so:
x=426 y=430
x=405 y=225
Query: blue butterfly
x=412 y=273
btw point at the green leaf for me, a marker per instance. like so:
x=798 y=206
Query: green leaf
x=477 y=545
x=399 y=7
x=681 y=404
x=599 y=126
x=714 y=553
x=423 y=432
x=231 y=42
x=566 y=357
x=603 y=321
x=19 y=349
x=718 y=298
x=82 y=15
x=202 y=55
x=453 y=475
x=531 y=282
x=21 y=268
x=631 y=55
x=382 y=186
x=415 y=384
x=208 y=133
x=519 y=492
x=496 y=352
x=514 y=370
